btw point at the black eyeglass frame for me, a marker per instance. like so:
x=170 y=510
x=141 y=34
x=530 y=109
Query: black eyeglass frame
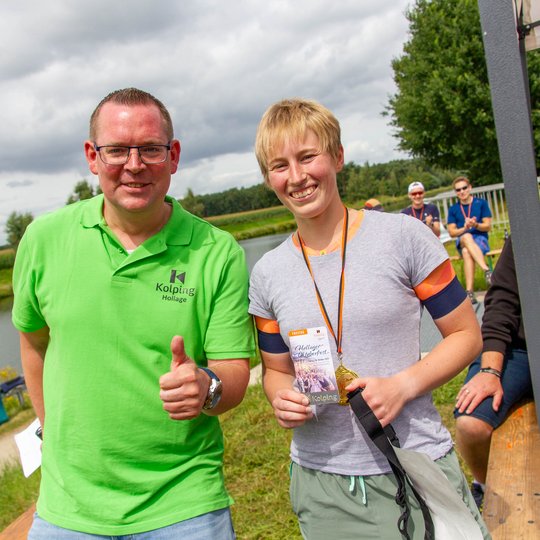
x=458 y=190
x=138 y=148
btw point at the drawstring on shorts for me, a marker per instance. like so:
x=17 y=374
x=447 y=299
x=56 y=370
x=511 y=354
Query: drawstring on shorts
x=361 y=485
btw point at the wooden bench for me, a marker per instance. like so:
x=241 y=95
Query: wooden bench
x=490 y=255
x=512 y=500
x=18 y=530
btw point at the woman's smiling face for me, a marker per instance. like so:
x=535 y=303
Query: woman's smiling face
x=303 y=177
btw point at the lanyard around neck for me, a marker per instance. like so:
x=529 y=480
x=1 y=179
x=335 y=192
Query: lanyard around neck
x=421 y=212
x=468 y=214
x=322 y=307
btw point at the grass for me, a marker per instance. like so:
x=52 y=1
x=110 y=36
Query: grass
x=256 y=467
x=6 y=290
x=257 y=470
x=17 y=420
x=245 y=225
x=7 y=258
x=17 y=493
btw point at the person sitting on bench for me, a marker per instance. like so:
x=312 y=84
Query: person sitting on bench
x=469 y=221
x=496 y=380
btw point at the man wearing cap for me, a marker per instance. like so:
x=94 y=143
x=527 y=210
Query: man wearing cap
x=427 y=213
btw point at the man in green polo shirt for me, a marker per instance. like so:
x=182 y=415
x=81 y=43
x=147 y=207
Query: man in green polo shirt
x=134 y=337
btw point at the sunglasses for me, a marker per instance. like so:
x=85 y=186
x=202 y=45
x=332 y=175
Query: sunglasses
x=417 y=194
x=458 y=189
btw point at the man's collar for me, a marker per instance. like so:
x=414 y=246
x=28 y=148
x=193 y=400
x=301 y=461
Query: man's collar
x=177 y=231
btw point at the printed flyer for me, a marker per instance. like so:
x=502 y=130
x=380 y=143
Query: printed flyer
x=313 y=364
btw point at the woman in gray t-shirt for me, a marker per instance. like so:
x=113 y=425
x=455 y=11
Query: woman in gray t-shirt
x=362 y=277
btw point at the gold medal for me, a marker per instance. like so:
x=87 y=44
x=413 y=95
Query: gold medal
x=344 y=377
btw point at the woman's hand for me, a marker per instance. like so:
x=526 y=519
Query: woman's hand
x=385 y=395
x=291 y=408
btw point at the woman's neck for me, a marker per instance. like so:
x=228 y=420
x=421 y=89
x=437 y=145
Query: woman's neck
x=319 y=233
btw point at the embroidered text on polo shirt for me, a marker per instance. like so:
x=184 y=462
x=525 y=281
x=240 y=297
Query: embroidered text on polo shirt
x=175 y=290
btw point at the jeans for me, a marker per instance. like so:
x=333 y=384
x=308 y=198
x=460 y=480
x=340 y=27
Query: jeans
x=516 y=384
x=215 y=525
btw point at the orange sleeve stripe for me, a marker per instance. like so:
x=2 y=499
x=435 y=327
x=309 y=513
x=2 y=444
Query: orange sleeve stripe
x=436 y=281
x=267 y=325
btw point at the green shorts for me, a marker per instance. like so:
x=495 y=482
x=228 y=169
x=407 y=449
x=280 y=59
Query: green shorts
x=343 y=507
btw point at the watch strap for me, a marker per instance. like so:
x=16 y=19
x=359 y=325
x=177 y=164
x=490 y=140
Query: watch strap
x=214 y=390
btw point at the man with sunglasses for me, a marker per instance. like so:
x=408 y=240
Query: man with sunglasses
x=427 y=213
x=134 y=337
x=469 y=221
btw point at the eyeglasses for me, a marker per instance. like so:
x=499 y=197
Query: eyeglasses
x=150 y=154
x=458 y=189
x=417 y=194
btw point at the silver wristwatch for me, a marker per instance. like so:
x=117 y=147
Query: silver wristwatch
x=214 y=390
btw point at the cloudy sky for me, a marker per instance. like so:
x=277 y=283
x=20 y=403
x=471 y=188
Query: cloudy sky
x=217 y=65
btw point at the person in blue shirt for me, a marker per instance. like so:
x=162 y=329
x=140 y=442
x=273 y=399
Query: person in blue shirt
x=469 y=221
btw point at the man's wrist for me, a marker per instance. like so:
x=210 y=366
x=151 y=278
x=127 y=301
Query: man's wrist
x=214 y=391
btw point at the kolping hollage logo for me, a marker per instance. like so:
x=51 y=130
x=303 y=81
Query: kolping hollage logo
x=175 y=290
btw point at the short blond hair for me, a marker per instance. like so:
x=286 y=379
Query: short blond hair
x=460 y=179
x=293 y=118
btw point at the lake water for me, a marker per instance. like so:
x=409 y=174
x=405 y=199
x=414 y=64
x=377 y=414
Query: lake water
x=9 y=339
x=255 y=248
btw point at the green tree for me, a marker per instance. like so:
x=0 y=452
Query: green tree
x=442 y=107
x=83 y=190
x=15 y=227
x=192 y=203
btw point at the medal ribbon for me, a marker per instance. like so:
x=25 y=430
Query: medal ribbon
x=468 y=214
x=337 y=336
x=421 y=212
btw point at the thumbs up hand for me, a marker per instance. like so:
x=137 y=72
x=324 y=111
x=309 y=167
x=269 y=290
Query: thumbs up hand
x=184 y=388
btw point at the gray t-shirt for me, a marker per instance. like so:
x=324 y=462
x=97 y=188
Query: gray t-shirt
x=388 y=256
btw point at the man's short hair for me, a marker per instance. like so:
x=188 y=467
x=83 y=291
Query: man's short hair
x=293 y=118
x=460 y=179
x=131 y=96
x=415 y=185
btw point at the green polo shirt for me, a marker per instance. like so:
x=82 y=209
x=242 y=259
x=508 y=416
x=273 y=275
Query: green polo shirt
x=114 y=463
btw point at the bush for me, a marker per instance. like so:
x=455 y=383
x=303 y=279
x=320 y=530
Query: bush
x=7 y=258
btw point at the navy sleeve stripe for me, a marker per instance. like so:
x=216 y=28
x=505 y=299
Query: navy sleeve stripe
x=272 y=343
x=446 y=300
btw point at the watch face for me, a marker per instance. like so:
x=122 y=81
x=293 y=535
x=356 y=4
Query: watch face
x=214 y=391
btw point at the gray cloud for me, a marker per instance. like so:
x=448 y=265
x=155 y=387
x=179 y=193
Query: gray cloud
x=216 y=65
x=19 y=183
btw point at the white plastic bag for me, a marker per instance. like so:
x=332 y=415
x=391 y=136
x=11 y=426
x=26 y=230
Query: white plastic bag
x=452 y=519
